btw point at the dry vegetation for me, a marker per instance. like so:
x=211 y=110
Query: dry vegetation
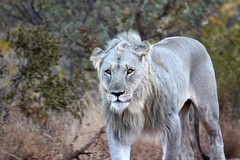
x=231 y=138
x=24 y=138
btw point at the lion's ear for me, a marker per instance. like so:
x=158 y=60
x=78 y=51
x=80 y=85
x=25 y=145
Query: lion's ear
x=97 y=57
x=143 y=48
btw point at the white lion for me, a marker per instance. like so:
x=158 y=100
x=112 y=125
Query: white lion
x=147 y=91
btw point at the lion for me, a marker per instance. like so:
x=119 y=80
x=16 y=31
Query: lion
x=147 y=91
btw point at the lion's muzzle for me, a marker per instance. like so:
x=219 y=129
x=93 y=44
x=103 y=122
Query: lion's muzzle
x=117 y=94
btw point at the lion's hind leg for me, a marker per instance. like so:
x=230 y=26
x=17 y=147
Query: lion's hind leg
x=186 y=147
x=208 y=114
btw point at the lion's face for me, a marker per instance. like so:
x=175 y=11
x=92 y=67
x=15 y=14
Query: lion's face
x=121 y=72
x=121 y=76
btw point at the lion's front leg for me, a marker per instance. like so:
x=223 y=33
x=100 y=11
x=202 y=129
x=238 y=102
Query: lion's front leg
x=171 y=139
x=118 y=150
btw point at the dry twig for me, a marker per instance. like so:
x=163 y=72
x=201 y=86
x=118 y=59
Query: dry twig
x=82 y=151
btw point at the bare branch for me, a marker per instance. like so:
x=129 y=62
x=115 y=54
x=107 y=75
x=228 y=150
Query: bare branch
x=39 y=18
x=167 y=8
x=82 y=151
x=27 y=12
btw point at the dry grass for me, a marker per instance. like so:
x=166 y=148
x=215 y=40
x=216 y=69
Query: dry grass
x=23 y=139
x=231 y=137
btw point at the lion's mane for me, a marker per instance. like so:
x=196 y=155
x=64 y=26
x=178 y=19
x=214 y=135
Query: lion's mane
x=145 y=115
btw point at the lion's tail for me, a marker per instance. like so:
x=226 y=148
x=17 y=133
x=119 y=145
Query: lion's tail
x=197 y=137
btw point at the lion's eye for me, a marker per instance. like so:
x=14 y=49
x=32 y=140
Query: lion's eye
x=108 y=71
x=129 y=71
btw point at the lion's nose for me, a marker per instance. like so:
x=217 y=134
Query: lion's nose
x=117 y=94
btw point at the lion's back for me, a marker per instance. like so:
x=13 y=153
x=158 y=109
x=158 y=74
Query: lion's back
x=184 y=47
x=181 y=62
x=181 y=52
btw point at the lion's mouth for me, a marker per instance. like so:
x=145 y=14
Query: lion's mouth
x=119 y=101
x=120 y=104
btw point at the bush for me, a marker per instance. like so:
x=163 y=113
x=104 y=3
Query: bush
x=34 y=79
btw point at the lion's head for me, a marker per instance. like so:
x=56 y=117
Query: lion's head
x=121 y=69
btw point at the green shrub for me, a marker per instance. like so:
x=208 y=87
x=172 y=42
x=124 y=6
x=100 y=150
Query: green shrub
x=38 y=82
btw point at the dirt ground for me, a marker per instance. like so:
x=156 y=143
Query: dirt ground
x=140 y=151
